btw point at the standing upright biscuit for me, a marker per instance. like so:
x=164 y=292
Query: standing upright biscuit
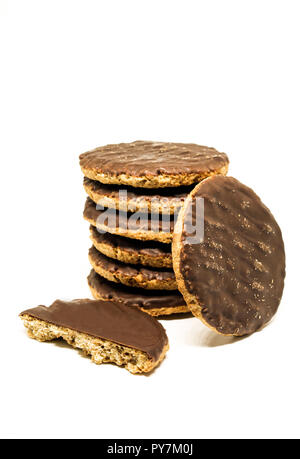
x=232 y=280
x=152 y=164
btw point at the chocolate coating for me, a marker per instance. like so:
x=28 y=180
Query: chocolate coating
x=135 y=297
x=108 y=320
x=141 y=158
x=114 y=266
x=234 y=279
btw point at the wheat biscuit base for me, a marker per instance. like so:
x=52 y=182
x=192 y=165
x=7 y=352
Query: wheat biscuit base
x=233 y=280
x=132 y=275
x=146 y=253
x=133 y=226
x=109 y=332
x=152 y=164
x=158 y=201
x=153 y=302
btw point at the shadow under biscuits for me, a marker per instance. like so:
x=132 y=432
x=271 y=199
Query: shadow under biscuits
x=202 y=336
x=205 y=337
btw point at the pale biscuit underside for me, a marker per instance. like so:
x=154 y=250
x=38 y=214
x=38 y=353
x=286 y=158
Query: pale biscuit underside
x=138 y=204
x=143 y=235
x=100 y=350
x=153 y=181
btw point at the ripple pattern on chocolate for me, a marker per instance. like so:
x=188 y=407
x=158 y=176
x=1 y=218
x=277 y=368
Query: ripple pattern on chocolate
x=235 y=278
x=140 y=158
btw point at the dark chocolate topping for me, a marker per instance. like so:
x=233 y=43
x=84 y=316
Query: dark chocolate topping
x=123 y=219
x=149 y=248
x=108 y=320
x=237 y=273
x=137 y=297
x=114 y=266
x=153 y=158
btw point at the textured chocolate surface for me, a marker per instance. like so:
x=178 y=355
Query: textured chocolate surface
x=236 y=276
x=115 y=266
x=122 y=219
x=138 y=198
x=108 y=320
x=149 y=248
x=153 y=158
x=137 y=297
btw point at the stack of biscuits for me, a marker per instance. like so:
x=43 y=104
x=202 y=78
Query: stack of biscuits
x=135 y=191
x=230 y=276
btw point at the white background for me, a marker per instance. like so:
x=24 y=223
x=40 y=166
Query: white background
x=78 y=74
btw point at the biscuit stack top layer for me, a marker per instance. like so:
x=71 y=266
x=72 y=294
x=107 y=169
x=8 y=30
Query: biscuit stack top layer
x=152 y=164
